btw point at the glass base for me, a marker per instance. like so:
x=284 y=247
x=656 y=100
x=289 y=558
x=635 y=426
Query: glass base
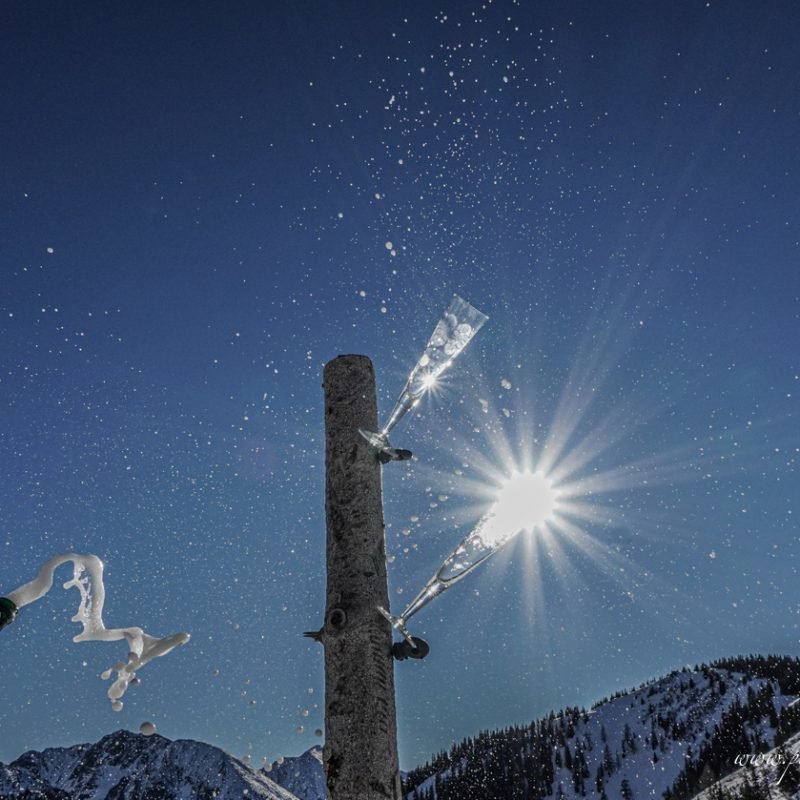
x=399 y=624
x=379 y=442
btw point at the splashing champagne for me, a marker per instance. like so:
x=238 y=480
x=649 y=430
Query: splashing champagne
x=141 y=646
x=527 y=502
x=454 y=331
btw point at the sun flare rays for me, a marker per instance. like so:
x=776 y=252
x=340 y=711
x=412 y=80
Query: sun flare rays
x=573 y=488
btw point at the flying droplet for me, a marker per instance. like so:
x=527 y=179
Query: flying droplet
x=147 y=729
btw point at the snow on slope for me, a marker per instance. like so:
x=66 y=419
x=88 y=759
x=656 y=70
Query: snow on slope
x=128 y=766
x=689 y=701
x=633 y=745
x=769 y=770
x=302 y=775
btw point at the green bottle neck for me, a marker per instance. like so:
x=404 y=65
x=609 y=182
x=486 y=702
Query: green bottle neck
x=8 y=610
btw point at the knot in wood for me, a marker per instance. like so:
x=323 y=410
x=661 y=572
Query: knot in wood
x=337 y=619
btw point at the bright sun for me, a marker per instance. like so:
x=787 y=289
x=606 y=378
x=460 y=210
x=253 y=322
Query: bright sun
x=527 y=500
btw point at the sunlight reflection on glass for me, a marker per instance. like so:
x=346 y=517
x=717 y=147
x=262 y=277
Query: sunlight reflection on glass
x=454 y=331
x=527 y=501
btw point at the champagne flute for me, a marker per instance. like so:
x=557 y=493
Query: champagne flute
x=528 y=501
x=454 y=331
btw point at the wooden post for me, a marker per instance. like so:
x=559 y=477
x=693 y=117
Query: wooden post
x=360 y=752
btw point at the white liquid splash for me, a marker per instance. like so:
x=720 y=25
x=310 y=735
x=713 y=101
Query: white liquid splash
x=87 y=578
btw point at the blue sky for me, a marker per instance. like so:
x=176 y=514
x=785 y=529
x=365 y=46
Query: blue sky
x=196 y=209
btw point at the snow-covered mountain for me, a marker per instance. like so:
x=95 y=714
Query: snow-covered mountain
x=670 y=738
x=767 y=776
x=128 y=766
x=683 y=736
x=302 y=775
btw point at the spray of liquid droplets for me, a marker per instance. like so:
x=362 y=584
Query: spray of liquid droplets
x=87 y=578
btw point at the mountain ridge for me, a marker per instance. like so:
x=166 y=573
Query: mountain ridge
x=129 y=766
x=302 y=775
x=670 y=738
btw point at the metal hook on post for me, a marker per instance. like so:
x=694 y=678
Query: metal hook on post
x=379 y=442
